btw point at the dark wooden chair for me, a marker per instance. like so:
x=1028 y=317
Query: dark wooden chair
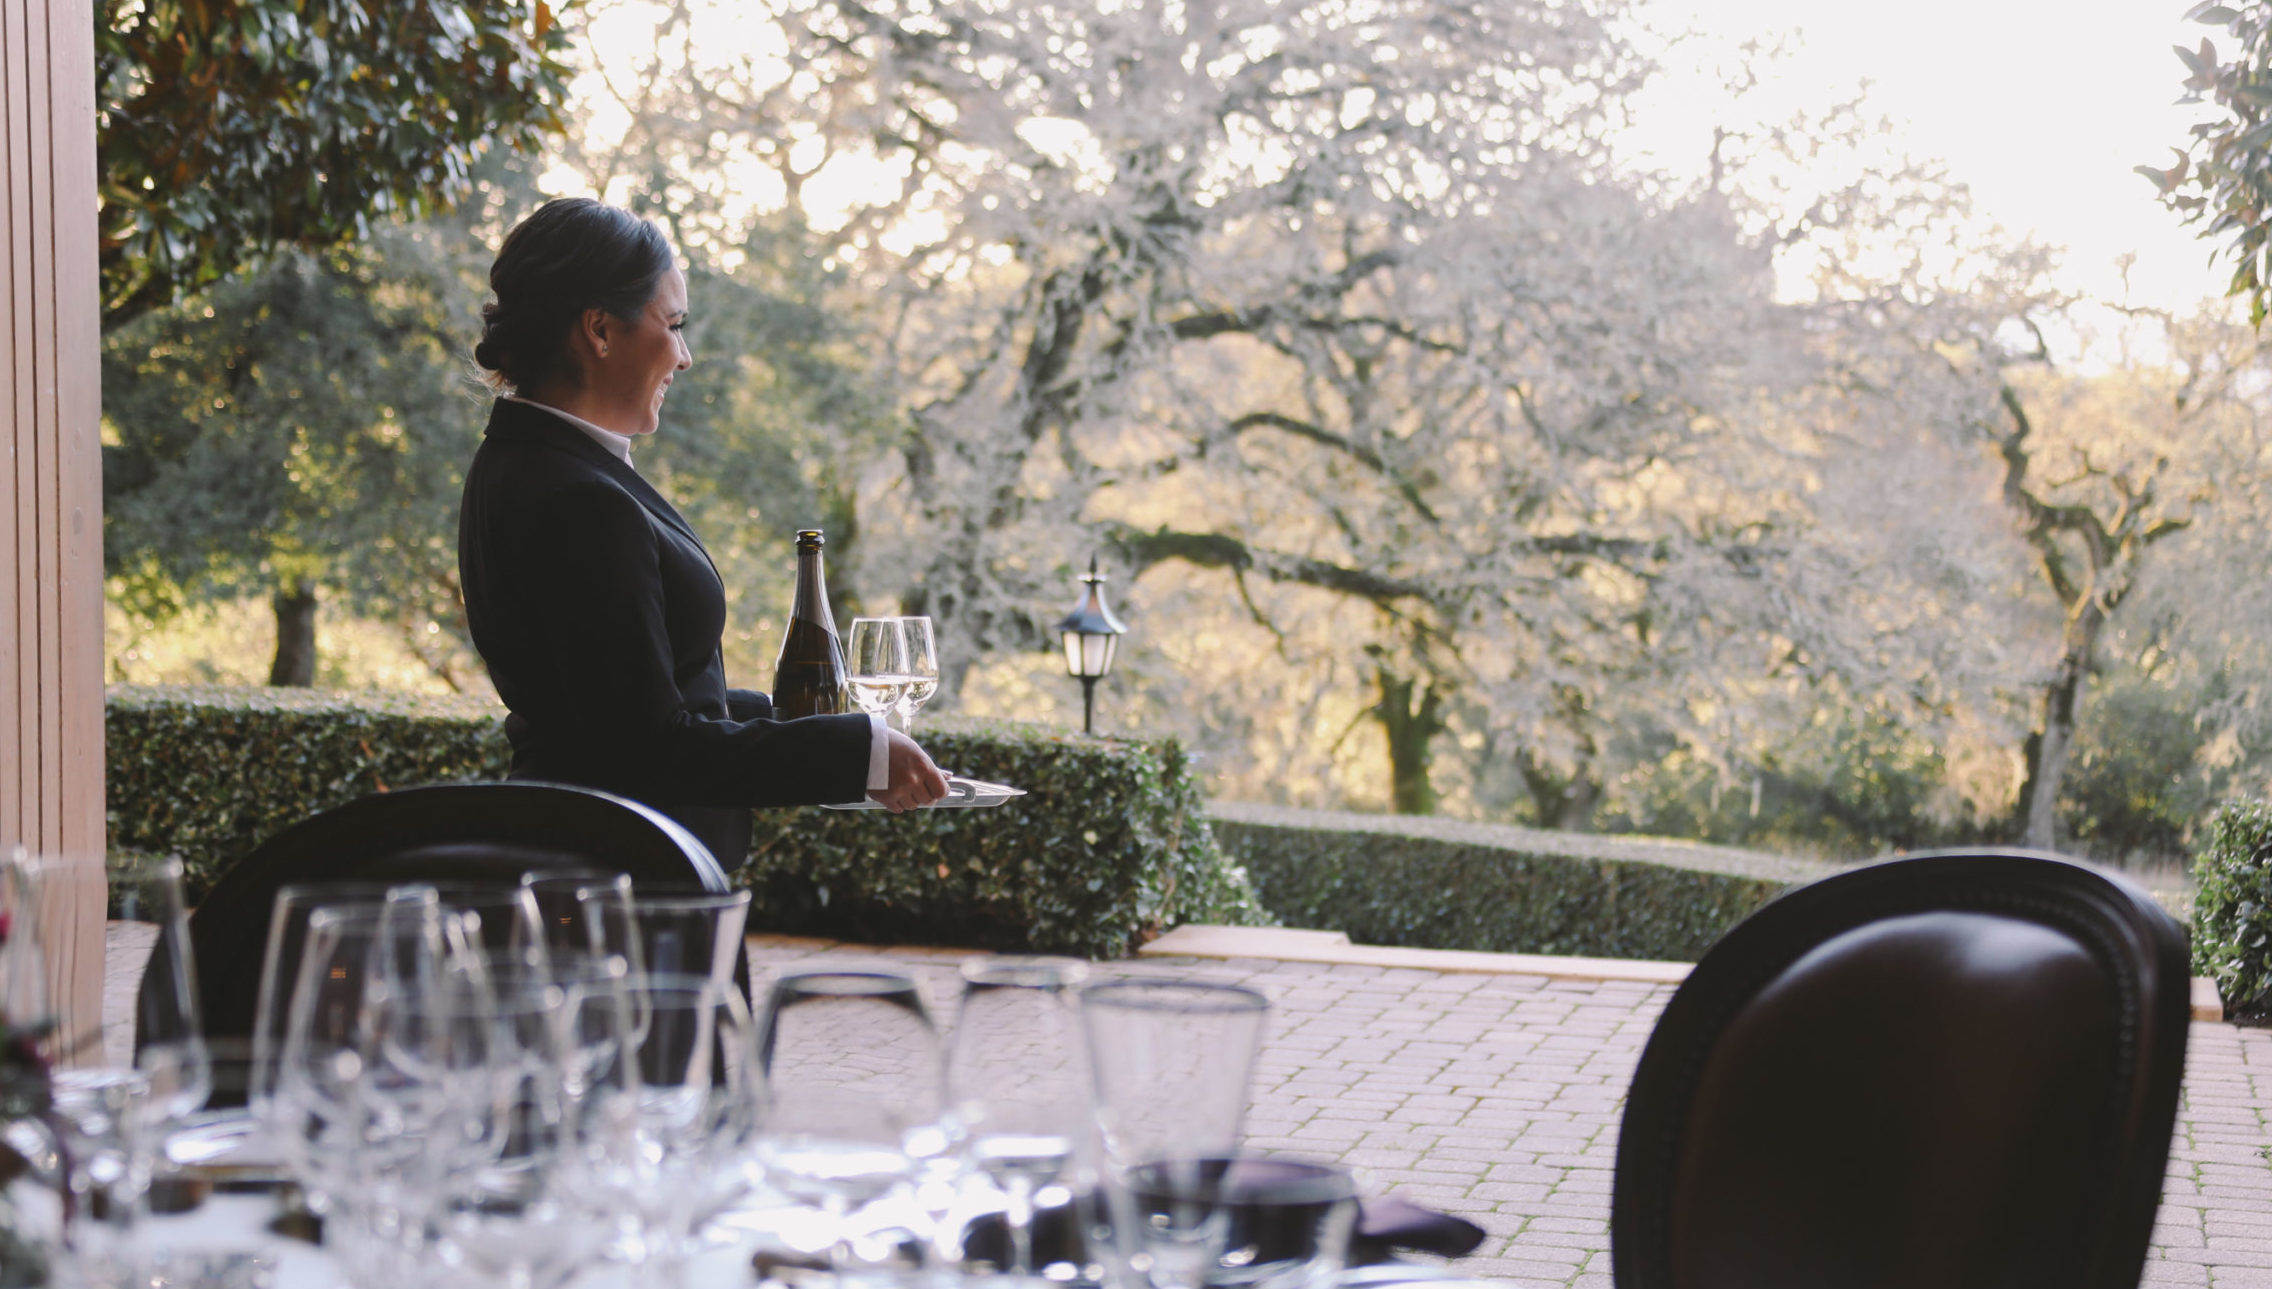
x=1958 y=1069
x=461 y=832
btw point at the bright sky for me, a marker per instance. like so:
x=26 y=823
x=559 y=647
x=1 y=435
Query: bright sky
x=2041 y=106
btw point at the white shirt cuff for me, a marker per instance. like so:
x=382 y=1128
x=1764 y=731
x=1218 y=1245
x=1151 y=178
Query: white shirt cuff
x=879 y=754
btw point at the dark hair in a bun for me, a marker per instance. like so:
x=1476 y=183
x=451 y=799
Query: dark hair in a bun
x=573 y=254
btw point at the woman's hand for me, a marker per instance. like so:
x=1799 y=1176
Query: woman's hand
x=914 y=780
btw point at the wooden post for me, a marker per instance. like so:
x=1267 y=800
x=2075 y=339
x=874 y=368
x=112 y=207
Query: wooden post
x=51 y=605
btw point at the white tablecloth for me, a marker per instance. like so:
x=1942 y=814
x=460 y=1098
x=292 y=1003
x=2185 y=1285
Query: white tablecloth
x=235 y=1223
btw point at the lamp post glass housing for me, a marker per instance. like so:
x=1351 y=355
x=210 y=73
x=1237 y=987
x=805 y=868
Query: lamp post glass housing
x=1092 y=636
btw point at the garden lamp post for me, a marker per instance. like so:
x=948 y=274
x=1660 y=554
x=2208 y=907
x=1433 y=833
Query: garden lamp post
x=1092 y=636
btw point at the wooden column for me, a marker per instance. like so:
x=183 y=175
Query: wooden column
x=51 y=606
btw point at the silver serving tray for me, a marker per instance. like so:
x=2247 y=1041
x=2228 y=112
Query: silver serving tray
x=962 y=794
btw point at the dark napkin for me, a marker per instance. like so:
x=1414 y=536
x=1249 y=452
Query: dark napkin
x=1386 y=1226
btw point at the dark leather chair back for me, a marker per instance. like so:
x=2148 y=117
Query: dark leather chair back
x=1958 y=1069
x=465 y=832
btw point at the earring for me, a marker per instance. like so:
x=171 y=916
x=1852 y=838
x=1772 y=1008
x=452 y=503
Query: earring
x=603 y=351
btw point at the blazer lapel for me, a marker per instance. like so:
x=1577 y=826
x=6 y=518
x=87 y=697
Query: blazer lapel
x=526 y=423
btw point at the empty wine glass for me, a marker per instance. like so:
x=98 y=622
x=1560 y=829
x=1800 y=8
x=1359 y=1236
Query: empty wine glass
x=875 y=664
x=506 y=920
x=150 y=1020
x=506 y=1213
x=854 y=1071
x=104 y=1115
x=662 y=1132
x=1018 y=1081
x=560 y=895
x=1172 y=1060
x=696 y=935
x=280 y=966
x=354 y=958
x=922 y=668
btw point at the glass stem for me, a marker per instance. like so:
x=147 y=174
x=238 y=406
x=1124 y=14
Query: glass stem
x=1017 y=1214
x=839 y=1235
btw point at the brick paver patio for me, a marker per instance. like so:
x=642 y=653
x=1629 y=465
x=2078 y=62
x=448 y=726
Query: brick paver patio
x=1497 y=1097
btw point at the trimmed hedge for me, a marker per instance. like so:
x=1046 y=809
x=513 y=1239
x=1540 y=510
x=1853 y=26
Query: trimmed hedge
x=1110 y=849
x=209 y=772
x=2232 y=910
x=1429 y=883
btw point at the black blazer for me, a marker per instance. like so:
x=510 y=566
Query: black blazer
x=599 y=614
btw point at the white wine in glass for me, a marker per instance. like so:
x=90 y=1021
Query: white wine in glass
x=920 y=676
x=876 y=664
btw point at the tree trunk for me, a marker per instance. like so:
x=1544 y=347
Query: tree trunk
x=2049 y=745
x=295 y=662
x=1565 y=804
x=1411 y=728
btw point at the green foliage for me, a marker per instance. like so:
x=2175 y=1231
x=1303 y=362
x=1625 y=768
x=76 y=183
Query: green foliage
x=2232 y=909
x=229 y=129
x=1430 y=883
x=209 y=773
x=2223 y=178
x=2136 y=787
x=1848 y=784
x=1109 y=849
x=304 y=427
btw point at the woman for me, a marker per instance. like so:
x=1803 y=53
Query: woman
x=590 y=598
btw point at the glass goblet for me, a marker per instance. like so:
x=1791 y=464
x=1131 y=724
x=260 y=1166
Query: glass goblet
x=560 y=896
x=922 y=668
x=280 y=966
x=1172 y=1060
x=1018 y=1081
x=663 y=1129
x=875 y=664
x=853 y=1067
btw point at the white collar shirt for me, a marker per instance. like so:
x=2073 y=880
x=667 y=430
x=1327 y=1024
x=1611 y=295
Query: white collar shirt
x=618 y=445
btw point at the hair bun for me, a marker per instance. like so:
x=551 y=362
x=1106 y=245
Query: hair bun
x=573 y=254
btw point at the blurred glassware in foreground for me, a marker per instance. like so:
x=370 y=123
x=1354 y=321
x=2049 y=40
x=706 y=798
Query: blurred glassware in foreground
x=853 y=1067
x=662 y=1133
x=1019 y=1085
x=280 y=965
x=1173 y=1060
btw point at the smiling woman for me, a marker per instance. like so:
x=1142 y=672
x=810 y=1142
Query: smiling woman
x=590 y=598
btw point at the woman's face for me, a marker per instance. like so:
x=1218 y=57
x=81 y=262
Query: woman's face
x=637 y=359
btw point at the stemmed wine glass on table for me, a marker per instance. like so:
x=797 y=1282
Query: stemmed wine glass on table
x=853 y=1066
x=1173 y=1060
x=144 y=1068
x=664 y=1124
x=1019 y=1086
x=364 y=1076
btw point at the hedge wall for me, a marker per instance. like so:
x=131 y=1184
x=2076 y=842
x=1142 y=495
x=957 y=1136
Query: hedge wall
x=208 y=773
x=2232 y=910
x=1110 y=849
x=1429 y=883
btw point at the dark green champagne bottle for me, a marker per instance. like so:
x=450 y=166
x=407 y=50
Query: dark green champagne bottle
x=809 y=679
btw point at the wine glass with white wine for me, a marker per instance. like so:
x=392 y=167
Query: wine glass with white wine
x=875 y=662
x=920 y=677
